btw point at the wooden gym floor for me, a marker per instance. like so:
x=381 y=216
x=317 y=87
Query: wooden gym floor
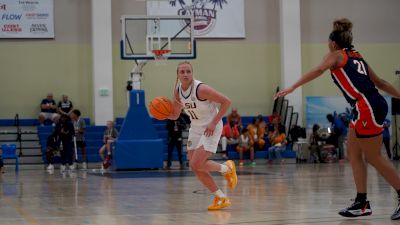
x=266 y=194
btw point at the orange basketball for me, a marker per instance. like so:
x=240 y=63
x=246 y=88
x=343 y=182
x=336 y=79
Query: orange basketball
x=160 y=107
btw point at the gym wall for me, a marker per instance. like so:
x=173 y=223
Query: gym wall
x=246 y=70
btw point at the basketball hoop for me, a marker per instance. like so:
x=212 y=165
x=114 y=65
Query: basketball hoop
x=161 y=55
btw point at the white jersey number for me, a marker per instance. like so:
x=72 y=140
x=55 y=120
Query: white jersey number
x=360 y=67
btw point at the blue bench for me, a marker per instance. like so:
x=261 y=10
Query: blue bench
x=246 y=120
x=30 y=122
x=258 y=153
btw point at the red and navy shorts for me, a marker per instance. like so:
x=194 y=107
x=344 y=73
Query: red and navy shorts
x=369 y=113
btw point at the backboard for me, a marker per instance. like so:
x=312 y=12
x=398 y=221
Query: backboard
x=141 y=35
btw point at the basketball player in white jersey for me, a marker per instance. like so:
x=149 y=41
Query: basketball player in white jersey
x=200 y=103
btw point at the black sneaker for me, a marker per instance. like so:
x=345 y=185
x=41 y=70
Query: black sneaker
x=357 y=209
x=396 y=214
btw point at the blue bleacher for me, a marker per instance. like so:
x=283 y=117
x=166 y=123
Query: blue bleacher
x=30 y=122
x=119 y=120
x=160 y=126
x=246 y=120
x=94 y=140
x=260 y=153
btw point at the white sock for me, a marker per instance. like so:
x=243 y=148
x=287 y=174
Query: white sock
x=219 y=193
x=224 y=168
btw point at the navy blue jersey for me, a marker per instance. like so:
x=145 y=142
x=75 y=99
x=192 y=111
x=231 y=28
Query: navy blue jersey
x=369 y=107
x=352 y=77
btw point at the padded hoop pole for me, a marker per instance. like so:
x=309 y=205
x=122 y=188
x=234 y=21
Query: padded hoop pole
x=136 y=77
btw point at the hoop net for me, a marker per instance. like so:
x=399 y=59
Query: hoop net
x=161 y=55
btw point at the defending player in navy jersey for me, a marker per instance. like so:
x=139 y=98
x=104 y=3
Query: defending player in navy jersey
x=359 y=83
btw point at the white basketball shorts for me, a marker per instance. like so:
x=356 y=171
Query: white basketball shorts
x=197 y=139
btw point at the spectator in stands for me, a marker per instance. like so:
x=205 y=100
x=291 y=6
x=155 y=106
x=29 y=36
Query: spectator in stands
x=53 y=144
x=80 y=126
x=235 y=118
x=109 y=136
x=65 y=131
x=257 y=132
x=339 y=131
x=315 y=146
x=244 y=146
x=386 y=137
x=48 y=110
x=274 y=121
x=65 y=106
x=230 y=134
x=175 y=128
x=261 y=123
x=278 y=142
x=274 y=115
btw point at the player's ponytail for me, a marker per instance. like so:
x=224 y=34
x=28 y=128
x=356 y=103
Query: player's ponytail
x=341 y=33
x=176 y=88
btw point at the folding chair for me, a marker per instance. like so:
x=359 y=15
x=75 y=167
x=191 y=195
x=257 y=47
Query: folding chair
x=9 y=151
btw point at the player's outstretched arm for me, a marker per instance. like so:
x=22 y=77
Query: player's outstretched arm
x=382 y=84
x=330 y=61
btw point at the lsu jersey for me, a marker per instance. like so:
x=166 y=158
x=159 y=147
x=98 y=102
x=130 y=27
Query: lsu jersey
x=200 y=111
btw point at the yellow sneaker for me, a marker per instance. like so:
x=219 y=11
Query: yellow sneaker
x=231 y=176
x=219 y=203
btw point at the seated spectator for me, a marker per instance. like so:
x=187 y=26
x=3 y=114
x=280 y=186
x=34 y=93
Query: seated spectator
x=109 y=136
x=261 y=120
x=230 y=135
x=65 y=106
x=244 y=146
x=315 y=146
x=257 y=132
x=261 y=123
x=80 y=126
x=274 y=126
x=235 y=118
x=48 y=110
x=278 y=142
x=275 y=115
x=339 y=133
x=65 y=131
x=52 y=147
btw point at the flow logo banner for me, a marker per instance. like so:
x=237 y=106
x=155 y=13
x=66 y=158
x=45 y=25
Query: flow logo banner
x=26 y=18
